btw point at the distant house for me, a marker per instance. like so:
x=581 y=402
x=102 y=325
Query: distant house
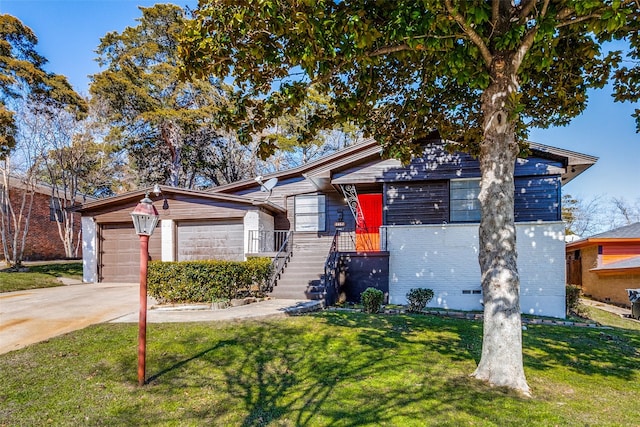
x=43 y=240
x=378 y=223
x=606 y=264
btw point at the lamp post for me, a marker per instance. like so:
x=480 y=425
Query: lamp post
x=145 y=218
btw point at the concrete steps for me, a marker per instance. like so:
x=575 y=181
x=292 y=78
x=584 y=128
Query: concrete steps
x=301 y=277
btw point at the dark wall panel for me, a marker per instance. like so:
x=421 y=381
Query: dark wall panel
x=437 y=164
x=424 y=202
x=537 y=199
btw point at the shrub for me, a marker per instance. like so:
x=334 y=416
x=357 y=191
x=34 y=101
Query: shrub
x=202 y=281
x=572 y=296
x=372 y=300
x=418 y=299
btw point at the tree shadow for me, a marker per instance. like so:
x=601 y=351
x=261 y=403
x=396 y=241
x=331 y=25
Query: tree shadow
x=351 y=369
x=606 y=352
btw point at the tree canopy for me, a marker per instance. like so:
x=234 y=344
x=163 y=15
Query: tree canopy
x=166 y=125
x=402 y=69
x=480 y=72
x=22 y=76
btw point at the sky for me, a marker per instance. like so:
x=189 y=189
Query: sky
x=69 y=31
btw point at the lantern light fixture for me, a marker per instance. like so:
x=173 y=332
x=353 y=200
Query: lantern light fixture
x=145 y=217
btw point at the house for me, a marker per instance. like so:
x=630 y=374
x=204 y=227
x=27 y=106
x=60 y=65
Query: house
x=606 y=264
x=356 y=219
x=43 y=240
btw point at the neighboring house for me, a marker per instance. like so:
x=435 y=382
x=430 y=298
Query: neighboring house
x=606 y=264
x=378 y=222
x=43 y=239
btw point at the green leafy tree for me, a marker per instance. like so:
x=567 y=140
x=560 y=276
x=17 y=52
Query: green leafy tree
x=24 y=84
x=166 y=125
x=480 y=72
x=299 y=143
x=23 y=77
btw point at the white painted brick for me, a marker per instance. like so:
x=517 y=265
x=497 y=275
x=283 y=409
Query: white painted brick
x=89 y=250
x=168 y=239
x=445 y=258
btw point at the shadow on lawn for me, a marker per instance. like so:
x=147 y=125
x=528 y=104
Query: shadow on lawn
x=607 y=352
x=353 y=369
x=343 y=371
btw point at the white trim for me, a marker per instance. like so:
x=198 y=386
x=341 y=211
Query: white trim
x=89 y=250
x=168 y=239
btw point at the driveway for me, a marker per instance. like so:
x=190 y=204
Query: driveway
x=30 y=316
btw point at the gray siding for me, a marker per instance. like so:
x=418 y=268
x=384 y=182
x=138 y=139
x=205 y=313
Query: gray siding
x=221 y=240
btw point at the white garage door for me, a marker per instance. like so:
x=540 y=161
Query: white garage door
x=211 y=240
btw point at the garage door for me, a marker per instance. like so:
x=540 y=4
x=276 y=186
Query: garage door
x=120 y=252
x=211 y=240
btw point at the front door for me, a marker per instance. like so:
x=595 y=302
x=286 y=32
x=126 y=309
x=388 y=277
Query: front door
x=369 y=222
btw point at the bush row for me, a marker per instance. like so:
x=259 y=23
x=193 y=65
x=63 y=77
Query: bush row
x=417 y=298
x=203 y=281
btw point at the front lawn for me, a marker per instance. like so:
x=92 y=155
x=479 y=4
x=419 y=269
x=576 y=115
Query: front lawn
x=329 y=368
x=38 y=276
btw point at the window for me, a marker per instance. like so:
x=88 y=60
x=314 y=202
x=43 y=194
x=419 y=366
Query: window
x=465 y=206
x=310 y=213
x=55 y=211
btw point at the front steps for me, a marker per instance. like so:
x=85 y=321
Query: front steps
x=301 y=278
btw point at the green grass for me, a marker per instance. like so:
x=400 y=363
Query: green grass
x=38 y=276
x=610 y=319
x=331 y=368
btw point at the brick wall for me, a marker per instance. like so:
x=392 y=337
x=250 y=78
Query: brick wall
x=43 y=241
x=605 y=287
x=445 y=258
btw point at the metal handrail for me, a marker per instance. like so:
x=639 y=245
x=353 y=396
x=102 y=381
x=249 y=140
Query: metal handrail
x=330 y=276
x=278 y=266
x=261 y=241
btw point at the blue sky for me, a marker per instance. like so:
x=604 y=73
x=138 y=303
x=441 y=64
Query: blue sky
x=70 y=30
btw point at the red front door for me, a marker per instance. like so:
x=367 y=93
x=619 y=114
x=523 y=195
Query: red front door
x=368 y=225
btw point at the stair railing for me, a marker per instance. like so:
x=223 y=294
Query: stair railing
x=330 y=279
x=279 y=263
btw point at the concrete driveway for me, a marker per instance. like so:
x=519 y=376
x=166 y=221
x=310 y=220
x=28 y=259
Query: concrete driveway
x=30 y=316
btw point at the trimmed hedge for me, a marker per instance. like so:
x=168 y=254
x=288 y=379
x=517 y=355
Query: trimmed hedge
x=203 y=281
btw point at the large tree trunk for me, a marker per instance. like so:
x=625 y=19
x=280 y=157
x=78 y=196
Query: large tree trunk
x=501 y=360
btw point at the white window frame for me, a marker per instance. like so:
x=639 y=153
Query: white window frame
x=464 y=205
x=310 y=216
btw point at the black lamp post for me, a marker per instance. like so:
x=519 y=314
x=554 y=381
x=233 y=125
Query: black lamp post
x=145 y=218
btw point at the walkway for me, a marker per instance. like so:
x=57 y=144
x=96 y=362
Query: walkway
x=606 y=307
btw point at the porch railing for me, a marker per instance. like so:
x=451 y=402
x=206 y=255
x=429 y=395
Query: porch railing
x=261 y=241
x=350 y=241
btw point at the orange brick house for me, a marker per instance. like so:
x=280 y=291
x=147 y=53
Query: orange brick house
x=43 y=241
x=606 y=264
